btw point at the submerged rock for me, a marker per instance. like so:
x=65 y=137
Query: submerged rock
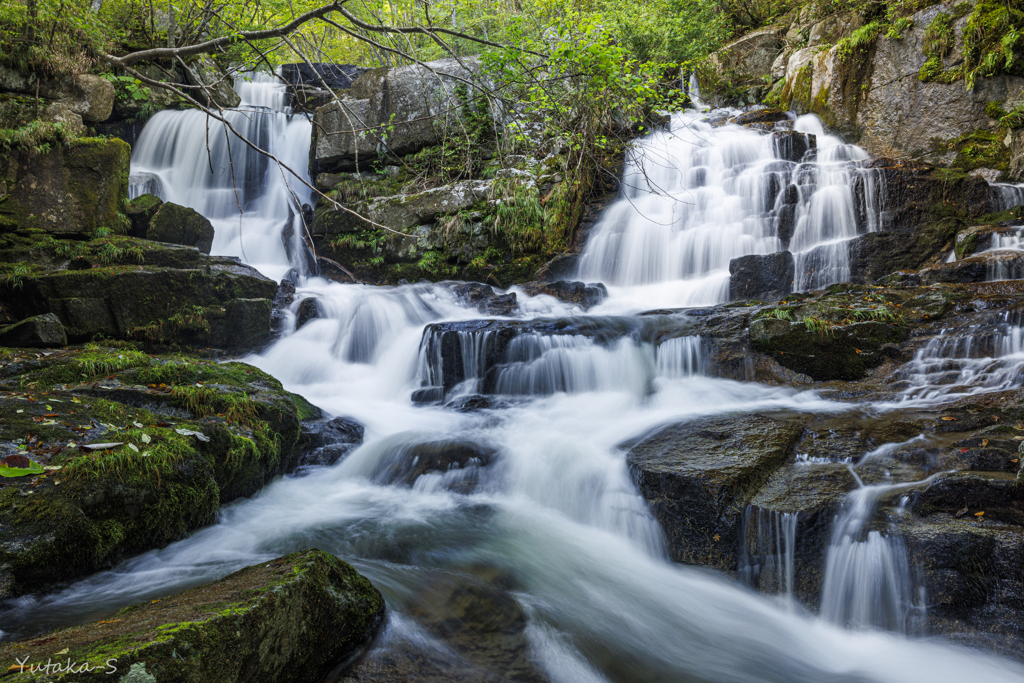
x=699 y=476
x=457 y=462
x=291 y=619
x=586 y=295
x=324 y=442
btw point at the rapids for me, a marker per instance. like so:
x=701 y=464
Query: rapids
x=556 y=515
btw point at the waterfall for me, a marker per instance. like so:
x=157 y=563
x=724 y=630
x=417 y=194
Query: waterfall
x=188 y=158
x=771 y=567
x=699 y=195
x=867 y=576
x=962 y=362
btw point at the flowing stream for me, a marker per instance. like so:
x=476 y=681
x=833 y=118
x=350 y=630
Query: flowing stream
x=549 y=506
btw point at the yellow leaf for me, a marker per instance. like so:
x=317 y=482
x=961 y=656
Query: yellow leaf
x=979 y=514
x=984 y=442
x=947 y=418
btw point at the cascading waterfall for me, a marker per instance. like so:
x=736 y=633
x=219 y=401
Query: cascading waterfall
x=552 y=505
x=867 y=575
x=697 y=196
x=962 y=362
x=255 y=206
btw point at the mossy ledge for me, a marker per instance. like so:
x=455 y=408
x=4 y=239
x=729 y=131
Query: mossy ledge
x=290 y=619
x=195 y=434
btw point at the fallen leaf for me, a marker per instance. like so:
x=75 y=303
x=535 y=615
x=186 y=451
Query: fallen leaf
x=717 y=537
x=63 y=652
x=984 y=442
x=964 y=450
x=138 y=425
x=947 y=418
x=21 y=411
x=1014 y=460
x=146 y=438
x=857 y=350
x=133 y=447
x=100 y=446
x=152 y=601
x=979 y=514
x=114 y=621
x=961 y=512
x=52 y=415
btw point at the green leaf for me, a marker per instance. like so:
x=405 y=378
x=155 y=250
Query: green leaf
x=34 y=468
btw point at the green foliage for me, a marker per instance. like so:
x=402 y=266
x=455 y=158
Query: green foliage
x=993 y=41
x=519 y=215
x=15 y=279
x=898 y=27
x=939 y=36
x=99 y=360
x=776 y=313
x=994 y=111
x=860 y=39
x=189 y=321
x=1013 y=119
x=436 y=264
x=38 y=136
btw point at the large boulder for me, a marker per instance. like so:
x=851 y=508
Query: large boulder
x=42 y=331
x=72 y=189
x=699 y=477
x=768 y=277
x=96 y=98
x=292 y=618
x=398 y=111
x=176 y=224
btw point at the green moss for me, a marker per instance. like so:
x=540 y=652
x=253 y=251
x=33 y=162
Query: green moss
x=860 y=40
x=981 y=149
x=993 y=41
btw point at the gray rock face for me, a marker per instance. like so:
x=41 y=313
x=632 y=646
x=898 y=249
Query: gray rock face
x=751 y=55
x=41 y=331
x=768 y=277
x=400 y=111
x=213 y=87
x=97 y=97
x=699 y=476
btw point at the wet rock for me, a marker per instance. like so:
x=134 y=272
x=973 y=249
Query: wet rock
x=325 y=442
x=214 y=88
x=486 y=299
x=309 y=309
x=989 y=454
x=995 y=265
x=573 y=292
x=981 y=237
x=474 y=402
x=428 y=395
x=814 y=493
x=282 y=300
x=176 y=224
x=765 y=115
x=844 y=351
x=997 y=495
x=768 y=277
x=793 y=146
x=41 y=331
x=140 y=212
x=72 y=189
x=699 y=476
x=458 y=463
x=315 y=609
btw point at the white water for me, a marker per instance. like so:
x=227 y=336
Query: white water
x=695 y=197
x=186 y=158
x=557 y=511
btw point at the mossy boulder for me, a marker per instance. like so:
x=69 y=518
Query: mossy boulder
x=73 y=189
x=41 y=331
x=189 y=435
x=176 y=224
x=699 y=476
x=289 y=619
x=140 y=212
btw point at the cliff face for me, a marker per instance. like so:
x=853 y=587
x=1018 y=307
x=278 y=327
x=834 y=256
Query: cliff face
x=912 y=88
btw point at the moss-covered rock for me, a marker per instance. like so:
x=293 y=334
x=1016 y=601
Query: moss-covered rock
x=140 y=212
x=123 y=288
x=289 y=619
x=74 y=189
x=699 y=476
x=176 y=224
x=41 y=331
x=189 y=434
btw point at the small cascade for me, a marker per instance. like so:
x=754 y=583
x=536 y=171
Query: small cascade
x=681 y=357
x=255 y=206
x=767 y=556
x=1008 y=240
x=1006 y=196
x=698 y=196
x=955 y=363
x=868 y=581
